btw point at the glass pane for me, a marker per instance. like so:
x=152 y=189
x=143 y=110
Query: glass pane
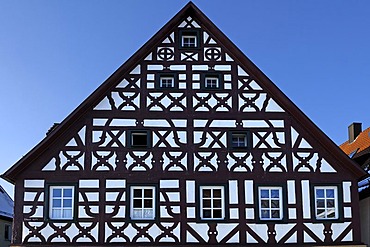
x=56 y=213
x=57 y=203
x=320 y=213
x=217 y=193
x=57 y=192
x=137 y=213
x=148 y=214
x=265 y=204
x=148 y=203
x=275 y=194
x=331 y=213
x=206 y=203
x=206 y=213
x=217 y=213
x=264 y=194
x=67 y=192
x=217 y=203
x=137 y=193
x=330 y=193
x=148 y=193
x=207 y=193
x=138 y=203
x=320 y=203
x=330 y=203
x=139 y=139
x=67 y=213
x=67 y=203
x=265 y=214
x=275 y=214
x=319 y=193
x=275 y=204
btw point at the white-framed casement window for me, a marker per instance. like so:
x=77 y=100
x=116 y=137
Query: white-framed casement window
x=326 y=202
x=211 y=82
x=166 y=82
x=142 y=202
x=270 y=203
x=239 y=140
x=189 y=41
x=212 y=202
x=8 y=232
x=61 y=202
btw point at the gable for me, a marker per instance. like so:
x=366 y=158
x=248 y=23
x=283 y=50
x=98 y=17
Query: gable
x=94 y=136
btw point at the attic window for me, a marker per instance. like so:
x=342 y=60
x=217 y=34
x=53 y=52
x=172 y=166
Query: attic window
x=239 y=140
x=189 y=38
x=212 y=82
x=189 y=41
x=167 y=82
x=61 y=202
x=139 y=139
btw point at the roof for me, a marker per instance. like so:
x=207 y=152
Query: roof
x=6 y=204
x=189 y=10
x=359 y=147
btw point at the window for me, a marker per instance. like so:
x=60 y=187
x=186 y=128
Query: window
x=239 y=140
x=139 y=139
x=166 y=82
x=8 y=232
x=61 y=202
x=326 y=202
x=189 y=38
x=270 y=203
x=142 y=202
x=211 y=82
x=212 y=202
x=189 y=41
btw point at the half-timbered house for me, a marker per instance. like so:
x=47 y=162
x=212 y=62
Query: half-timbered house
x=187 y=143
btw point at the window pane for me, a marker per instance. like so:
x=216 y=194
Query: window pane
x=320 y=193
x=206 y=193
x=329 y=193
x=139 y=139
x=217 y=193
x=137 y=193
x=67 y=203
x=217 y=203
x=275 y=204
x=264 y=194
x=320 y=213
x=320 y=203
x=330 y=203
x=137 y=213
x=206 y=213
x=217 y=213
x=148 y=203
x=274 y=193
x=57 y=203
x=275 y=214
x=148 y=193
x=265 y=214
x=138 y=203
x=67 y=213
x=206 y=203
x=67 y=192
x=148 y=214
x=56 y=213
x=265 y=204
x=57 y=192
x=331 y=213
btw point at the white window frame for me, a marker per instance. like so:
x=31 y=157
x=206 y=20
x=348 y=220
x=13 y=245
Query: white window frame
x=242 y=136
x=212 y=198
x=62 y=199
x=161 y=84
x=189 y=36
x=142 y=208
x=325 y=198
x=270 y=199
x=211 y=78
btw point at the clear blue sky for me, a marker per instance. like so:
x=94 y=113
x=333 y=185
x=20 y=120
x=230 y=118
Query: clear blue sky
x=53 y=54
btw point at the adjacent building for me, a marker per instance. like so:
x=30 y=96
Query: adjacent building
x=6 y=217
x=188 y=143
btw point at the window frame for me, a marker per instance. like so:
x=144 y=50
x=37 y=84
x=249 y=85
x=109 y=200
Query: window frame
x=154 y=208
x=223 y=203
x=282 y=210
x=129 y=139
x=218 y=76
x=248 y=138
x=49 y=198
x=158 y=82
x=196 y=33
x=7 y=235
x=336 y=202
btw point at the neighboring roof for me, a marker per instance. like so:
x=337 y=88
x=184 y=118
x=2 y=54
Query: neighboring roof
x=6 y=204
x=189 y=10
x=359 y=147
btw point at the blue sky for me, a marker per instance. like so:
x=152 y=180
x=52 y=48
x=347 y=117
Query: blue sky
x=53 y=54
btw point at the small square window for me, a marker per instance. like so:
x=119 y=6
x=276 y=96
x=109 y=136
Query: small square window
x=166 y=82
x=142 y=203
x=189 y=41
x=326 y=202
x=212 y=82
x=61 y=202
x=239 y=140
x=139 y=139
x=270 y=203
x=212 y=202
x=189 y=38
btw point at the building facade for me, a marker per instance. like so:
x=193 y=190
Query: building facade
x=187 y=143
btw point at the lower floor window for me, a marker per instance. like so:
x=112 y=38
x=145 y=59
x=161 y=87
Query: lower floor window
x=326 y=202
x=142 y=202
x=61 y=202
x=8 y=232
x=212 y=202
x=270 y=203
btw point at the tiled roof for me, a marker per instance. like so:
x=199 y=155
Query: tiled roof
x=359 y=146
x=6 y=204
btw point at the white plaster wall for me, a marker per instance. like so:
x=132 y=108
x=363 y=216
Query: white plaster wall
x=365 y=220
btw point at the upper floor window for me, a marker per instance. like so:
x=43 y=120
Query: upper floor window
x=189 y=38
x=326 y=202
x=139 y=139
x=270 y=203
x=166 y=82
x=61 y=202
x=142 y=202
x=212 y=202
x=189 y=41
x=239 y=140
x=212 y=82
